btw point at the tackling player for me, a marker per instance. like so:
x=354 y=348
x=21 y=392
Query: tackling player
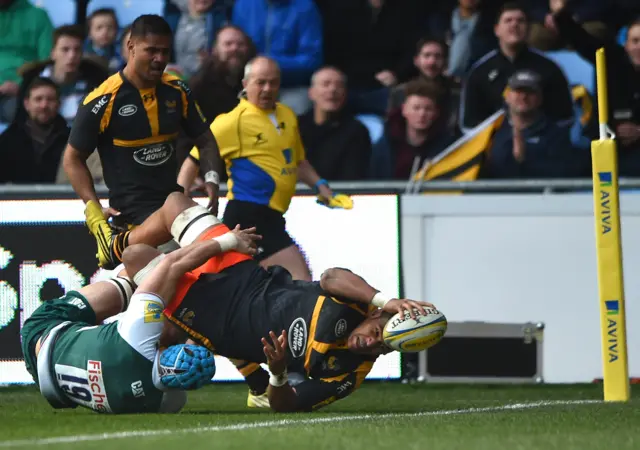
x=229 y=304
x=133 y=119
x=119 y=367
x=261 y=145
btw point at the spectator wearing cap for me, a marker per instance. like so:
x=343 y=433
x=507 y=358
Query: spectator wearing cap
x=529 y=144
x=337 y=145
x=412 y=133
x=623 y=68
x=290 y=32
x=31 y=148
x=483 y=91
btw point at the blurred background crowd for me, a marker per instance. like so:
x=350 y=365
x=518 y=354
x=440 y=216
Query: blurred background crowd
x=379 y=86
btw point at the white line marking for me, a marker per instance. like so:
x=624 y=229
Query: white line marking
x=286 y=423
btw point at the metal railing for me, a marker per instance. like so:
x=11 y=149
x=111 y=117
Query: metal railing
x=39 y=191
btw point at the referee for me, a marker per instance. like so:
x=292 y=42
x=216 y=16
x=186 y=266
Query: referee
x=261 y=146
x=133 y=120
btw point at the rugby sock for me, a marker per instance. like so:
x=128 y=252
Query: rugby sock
x=190 y=223
x=125 y=289
x=120 y=242
x=256 y=377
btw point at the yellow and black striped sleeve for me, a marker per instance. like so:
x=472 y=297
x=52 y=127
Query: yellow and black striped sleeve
x=313 y=394
x=194 y=122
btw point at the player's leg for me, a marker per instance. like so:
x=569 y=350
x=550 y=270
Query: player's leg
x=290 y=258
x=154 y=231
x=276 y=247
x=91 y=305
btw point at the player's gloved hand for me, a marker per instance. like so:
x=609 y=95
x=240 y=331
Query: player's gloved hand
x=277 y=353
x=400 y=305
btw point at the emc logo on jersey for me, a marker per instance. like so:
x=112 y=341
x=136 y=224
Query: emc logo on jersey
x=288 y=158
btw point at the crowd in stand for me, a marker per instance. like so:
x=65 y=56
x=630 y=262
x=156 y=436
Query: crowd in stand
x=379 y=86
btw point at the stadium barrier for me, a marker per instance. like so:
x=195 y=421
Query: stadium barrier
x=513 y=252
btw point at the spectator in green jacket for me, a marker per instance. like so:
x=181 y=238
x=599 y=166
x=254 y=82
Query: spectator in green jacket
x=26 y=36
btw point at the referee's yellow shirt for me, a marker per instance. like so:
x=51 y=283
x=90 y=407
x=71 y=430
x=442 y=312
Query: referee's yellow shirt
x=261 y=150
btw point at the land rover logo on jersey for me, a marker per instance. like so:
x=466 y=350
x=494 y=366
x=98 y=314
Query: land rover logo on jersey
x=128 y=110
x=154 y=155
x=298 y=337
x=341 y=328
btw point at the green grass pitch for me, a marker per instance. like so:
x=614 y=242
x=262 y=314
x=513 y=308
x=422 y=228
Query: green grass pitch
x=381 y=415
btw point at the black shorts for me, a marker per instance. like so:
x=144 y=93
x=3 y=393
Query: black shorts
x=270 y=224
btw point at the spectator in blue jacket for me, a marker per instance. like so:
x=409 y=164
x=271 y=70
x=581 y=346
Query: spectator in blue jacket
x=529 y=144
x=290 y=32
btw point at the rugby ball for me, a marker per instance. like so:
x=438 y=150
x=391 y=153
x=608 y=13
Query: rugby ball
x=407 y=335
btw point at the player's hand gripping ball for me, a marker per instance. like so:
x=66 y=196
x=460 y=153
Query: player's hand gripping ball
x=407 y=335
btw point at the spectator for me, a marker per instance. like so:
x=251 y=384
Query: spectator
x=290 y=32
x=338 y=146
x=483 y=91
x=372 y=42
x=431 y=60
x=196 y=30
x=623 y=67
x=529 y=144
x=124 y=48
x=30 y=149
x=74 y=76
x=413 y=134
x=592 y=14
x=26 y=36
x=219 y=81
x=103 y=30
x=465 y=37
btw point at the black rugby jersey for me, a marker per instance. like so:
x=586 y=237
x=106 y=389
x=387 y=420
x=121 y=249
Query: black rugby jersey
x=135 y=133
x=233 y=310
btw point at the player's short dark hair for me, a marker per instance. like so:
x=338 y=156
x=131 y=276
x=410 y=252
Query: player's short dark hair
x=424 y=88
x=513 y=6
x=74 y=31
x=102 y=12
x=40 y=82
x=126 y=30
x=634 y=22
x=432 y=40
x=150 y=24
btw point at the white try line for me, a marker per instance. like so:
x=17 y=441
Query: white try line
x=285 y=423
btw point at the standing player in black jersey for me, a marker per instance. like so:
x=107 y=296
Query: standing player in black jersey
x=333 y=328
x=133 y=120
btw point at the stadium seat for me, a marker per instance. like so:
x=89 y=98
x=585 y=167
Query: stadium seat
x=128 y=10
x=576 y=69
x=375 y=125
x=61 y=12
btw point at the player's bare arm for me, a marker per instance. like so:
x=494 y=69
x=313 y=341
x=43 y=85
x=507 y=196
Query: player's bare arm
x=75 y=166
x=344 y=283
x=211 y=166
x=188 y=174
x=282 y=397
x=160 y=275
